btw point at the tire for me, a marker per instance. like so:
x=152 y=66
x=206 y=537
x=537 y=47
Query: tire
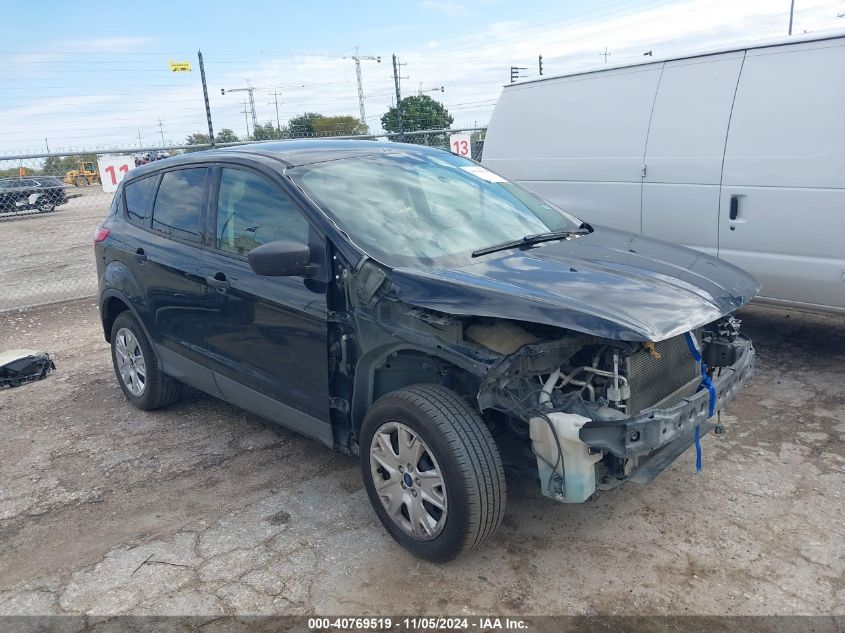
x=155 y=389
x=48 y=206
x=455 y=445
x=80 y=181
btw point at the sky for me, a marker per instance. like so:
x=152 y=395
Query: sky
x=99 y=79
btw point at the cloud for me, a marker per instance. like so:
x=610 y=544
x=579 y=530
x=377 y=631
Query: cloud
x=59 y=49
x=115 y=44
x=109 y=109
x=448 y=7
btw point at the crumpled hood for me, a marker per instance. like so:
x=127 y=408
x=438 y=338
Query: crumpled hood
x=609 y=284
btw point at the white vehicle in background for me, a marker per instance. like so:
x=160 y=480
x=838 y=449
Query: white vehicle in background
x=739 y=154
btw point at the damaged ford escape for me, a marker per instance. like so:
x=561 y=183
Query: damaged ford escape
x=414 y=309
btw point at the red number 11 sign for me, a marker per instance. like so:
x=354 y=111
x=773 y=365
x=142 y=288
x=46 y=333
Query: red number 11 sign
x=113 y=169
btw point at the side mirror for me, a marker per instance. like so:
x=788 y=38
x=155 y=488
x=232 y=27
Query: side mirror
x=281 y=259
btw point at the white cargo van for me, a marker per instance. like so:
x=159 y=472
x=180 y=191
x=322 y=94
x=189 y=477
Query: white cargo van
x=740 y=154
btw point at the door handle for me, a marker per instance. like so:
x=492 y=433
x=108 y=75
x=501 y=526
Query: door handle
x=140 y=255
x=734 y=207
x=219 y=281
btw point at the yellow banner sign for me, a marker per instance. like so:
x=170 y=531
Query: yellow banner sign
x=180 y=67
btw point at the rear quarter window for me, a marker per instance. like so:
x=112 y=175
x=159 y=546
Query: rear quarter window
x=179 y=204
x=139 y=198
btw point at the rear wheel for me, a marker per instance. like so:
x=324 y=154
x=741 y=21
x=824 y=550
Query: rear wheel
x=432 y=471
x=137 y=367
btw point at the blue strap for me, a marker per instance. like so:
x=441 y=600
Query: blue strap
x=697 y=449
x=706 y=383
x=692 y=348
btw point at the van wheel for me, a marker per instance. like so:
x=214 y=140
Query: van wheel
x=432 y=471
x=137 y=367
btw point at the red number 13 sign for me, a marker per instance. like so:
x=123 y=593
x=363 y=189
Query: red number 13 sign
x=460 y=144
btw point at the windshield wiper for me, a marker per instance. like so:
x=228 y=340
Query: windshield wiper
x=530 y=240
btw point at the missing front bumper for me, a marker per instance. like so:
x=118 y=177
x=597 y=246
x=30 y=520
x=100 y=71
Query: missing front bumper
x=653 y=429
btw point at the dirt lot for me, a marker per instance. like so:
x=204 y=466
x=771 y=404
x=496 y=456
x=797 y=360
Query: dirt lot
x=203 y=509
x=59 y=242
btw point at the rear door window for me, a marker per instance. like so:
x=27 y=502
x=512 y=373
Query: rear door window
x=139 y=198
x=178 y=208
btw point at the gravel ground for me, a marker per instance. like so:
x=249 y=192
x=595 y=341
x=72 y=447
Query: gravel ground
x=59 y=243
x=204 y=509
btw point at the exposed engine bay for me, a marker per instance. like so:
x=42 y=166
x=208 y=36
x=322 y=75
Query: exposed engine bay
x=586 y=412
x=603 y=414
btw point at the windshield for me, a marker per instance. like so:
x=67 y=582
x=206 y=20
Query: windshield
x=411 y=209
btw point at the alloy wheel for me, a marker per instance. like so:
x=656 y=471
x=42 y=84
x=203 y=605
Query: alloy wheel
x=408 y=481
x=130 y=362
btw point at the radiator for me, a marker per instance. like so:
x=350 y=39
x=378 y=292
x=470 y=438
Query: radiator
x=662 y=381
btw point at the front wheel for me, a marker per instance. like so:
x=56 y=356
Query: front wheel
x=432 y=471
x=80 y=181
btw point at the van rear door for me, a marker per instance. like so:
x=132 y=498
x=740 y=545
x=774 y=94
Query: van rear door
x=684 y=151
x=782 y=215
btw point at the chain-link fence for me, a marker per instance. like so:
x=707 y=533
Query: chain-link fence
x=50 y=206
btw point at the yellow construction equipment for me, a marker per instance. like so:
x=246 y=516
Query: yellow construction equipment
x=85 y=174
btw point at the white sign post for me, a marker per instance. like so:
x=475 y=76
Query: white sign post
x=461 y=144
x=113 y=169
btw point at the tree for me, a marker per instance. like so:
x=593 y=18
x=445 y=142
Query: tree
x=419 y=112
x=59 y=165
x=226 y=136
x=198 y=138
x=338 y=126
x=303 y=124
x=310 y=124
x=267 y=132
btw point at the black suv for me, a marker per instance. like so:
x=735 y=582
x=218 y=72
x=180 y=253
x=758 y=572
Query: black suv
x=410 y=307
x=42 y=193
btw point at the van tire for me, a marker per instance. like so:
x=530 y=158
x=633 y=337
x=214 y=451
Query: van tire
x=160 y=390
x=466 y=454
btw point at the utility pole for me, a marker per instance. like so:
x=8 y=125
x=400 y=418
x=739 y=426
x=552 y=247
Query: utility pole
x=246 y=119
x=161 y=130
x=605 y=53
x=276 y=94
x=540 y=64
x=358 y=59
x=249 y=89
x=140 y=145
x=398 y=98
x=791 y=11
x=205 y=96
x=48 y=145
x=515 y=72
